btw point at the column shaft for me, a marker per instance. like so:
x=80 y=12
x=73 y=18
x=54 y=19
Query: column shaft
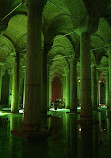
x=73 y=86
x=33 y=66
x=15 y=85
x=107 y=88
x=85 y=74
x=94 y=87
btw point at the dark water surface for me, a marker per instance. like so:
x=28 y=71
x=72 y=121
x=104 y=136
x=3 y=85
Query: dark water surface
x=68 y=140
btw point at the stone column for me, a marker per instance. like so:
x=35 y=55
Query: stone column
x=49 y=90
x=24 y=89
x=78 y=91
x=109 y=62
x=107 y=88
x=64 y=89
x=33 y=66
x=15 y=85
x=94 y=87
x=85 y=76
x=67 y=90
x=73 y=85
x=99 y=92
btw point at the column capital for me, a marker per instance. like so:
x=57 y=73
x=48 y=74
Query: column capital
x=37 y=4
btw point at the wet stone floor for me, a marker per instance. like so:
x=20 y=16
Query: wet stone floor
x=68 y=139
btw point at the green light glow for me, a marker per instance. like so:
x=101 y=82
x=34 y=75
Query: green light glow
x=65 y=110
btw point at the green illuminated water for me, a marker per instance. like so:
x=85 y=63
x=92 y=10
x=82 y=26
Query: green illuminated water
x=68 y=139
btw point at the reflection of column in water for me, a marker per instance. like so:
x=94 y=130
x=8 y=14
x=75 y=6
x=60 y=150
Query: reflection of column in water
x=99 y=120
x=71 y=138
x=57 y=127
x=86 y=141
x=15 y=121
x=95 y=141
x=109 y=130
x=15 y=142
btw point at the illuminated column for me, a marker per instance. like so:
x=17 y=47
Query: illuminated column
x=24 y=90
x=99 y=91
x=107 y=88
x=64 y=89
x=49 y=88
x=78 y=91
x=33 y=66
x=10 y=90
x=85 y=76
x=73 y=85
x=109 y=62
x=94 y=87
x=67 y=90
x=15 y=85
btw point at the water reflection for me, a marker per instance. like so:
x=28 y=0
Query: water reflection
x=68 y=138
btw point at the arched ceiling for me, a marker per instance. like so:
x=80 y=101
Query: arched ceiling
x=63 y=21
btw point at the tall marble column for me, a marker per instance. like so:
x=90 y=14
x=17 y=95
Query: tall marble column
x=94 y=87
x=73 y=85
x=33 y=65
x=15 y=85
x=107 y=88
x=85 y=76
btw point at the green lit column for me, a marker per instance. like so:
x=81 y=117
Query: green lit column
x=64 y=89
x=73 y=85
x=107 y=88
x=48 y=87
x=94 y=87
x=78 y=91
x=33 y=65
x=24 y=89
x=68 y=90
x=85 y=76
x=15 y=85
x=109 y=62
x=97 y=89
